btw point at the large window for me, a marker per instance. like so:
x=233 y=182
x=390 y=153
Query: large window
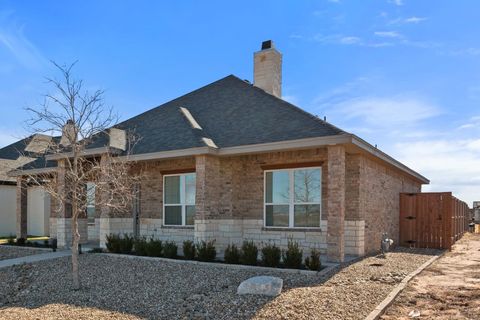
x=179 y=199
x=293 y=198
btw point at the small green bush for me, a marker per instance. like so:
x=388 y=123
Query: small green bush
x=293 y=256
x=271 y=255
x=140 y=246
x=189 y=249
x=126 y=244
x=206 y=251
x=170 y=250
x=119 y=244
x=21 y=241
x=249 y=253
x=96 y=250
x=154 y=248
x=232 y=254
x=11 y=241
x=313 y=261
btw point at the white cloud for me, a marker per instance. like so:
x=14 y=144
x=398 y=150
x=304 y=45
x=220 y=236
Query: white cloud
x=350 y=40
x=473 y=122
x=450 y=164
x=13 y=39
x=387 y=112
x=409 y=20
x=396 y=2
x=388 y=34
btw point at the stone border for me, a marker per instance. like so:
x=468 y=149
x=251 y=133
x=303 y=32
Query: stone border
x=328 y=266
x=26 y=247
x=380 y=309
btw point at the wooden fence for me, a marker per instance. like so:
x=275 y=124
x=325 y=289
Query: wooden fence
x=432 y=220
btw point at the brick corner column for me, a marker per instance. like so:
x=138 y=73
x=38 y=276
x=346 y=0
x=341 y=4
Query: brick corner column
x=207 y=170
x=21 y=210
x=336 y=204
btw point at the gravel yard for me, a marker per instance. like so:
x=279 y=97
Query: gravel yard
x=16 y=252
x=121 y=288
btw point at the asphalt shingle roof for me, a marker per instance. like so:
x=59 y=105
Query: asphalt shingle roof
x=231 y=112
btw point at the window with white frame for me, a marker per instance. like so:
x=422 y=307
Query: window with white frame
x=179 y=199
x=91 y=202
x=293 y=198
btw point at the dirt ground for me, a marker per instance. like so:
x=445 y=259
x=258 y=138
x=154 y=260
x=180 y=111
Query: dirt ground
x=448 y=289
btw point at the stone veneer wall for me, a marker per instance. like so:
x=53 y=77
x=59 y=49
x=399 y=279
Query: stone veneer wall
x=379 y=204
x=64 y=231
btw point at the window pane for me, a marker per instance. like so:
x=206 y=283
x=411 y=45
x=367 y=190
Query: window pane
x=276 y=216
x=307 y=215
x=90 y=194
x=277 y=187
x=91 y=214
x=190 y=184
x=172 y=190
x=190 y=215
x=307 y=185
x=173 y=215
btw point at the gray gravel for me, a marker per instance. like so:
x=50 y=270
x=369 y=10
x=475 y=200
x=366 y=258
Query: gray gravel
x=12 y=252
x=120 y=288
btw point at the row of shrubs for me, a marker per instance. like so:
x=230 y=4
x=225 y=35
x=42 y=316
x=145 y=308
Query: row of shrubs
x=22 y=242
x=247 y=254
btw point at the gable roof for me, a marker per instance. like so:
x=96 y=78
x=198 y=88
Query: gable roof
x=230 y=112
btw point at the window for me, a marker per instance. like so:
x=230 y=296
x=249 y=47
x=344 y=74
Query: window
x=91 y=202
x=293 y=198
x=179 y=199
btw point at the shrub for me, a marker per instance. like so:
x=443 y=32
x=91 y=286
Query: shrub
x=206 y=251
x=313 y=261
x=119 y=244
x=293 y=256
x=45 y=243
x=232 y=254
x=249 y=253
x=11 y=241
x=189 y=250
x=126 y=244
x=140 y=246
x=96 y=250
x=21 y=241
x=154 y=248
x=170 y=250
x=271 y=255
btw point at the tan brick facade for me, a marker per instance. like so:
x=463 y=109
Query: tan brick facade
x=360 y=198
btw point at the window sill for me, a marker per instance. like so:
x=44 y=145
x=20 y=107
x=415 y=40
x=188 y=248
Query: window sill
x=177 y=227
x=291 y=229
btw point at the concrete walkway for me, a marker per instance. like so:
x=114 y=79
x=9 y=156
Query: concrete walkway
x=34 y=258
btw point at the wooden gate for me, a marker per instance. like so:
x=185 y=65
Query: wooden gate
x=432 y=220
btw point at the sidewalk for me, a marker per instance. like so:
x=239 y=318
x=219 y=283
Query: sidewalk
x=34 y=258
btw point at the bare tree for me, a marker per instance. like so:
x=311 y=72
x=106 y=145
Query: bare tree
x=84 y=122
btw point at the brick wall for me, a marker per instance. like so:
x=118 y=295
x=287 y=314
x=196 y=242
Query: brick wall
x=380 y=189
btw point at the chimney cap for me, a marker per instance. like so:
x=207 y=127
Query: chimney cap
x=268 y=44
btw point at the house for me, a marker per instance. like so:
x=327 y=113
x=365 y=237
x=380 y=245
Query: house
x=232 y=161
x=12 y=156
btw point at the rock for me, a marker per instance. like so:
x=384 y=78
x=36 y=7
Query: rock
x=263 y=285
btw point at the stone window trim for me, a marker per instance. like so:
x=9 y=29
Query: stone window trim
x=295 y=229
x=291 y=169
x=187 y=227
x=183 y=204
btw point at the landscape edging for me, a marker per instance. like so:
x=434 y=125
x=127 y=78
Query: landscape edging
x=325 y=270
x=380 y=309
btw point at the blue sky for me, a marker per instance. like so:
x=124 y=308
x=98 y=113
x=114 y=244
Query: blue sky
x=402 y=74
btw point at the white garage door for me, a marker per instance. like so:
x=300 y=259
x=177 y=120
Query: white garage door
x=38 y=212
x=8 y=211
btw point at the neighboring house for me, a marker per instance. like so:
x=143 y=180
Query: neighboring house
x=476 y=211
x=232 y=161
x=12 y=156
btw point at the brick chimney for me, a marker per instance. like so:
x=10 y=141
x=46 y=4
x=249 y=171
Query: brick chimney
x=267 y=69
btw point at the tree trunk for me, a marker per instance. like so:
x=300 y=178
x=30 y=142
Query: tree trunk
x=75 y=242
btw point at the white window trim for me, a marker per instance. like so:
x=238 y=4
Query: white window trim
x=183 y=205
x=291 y=204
